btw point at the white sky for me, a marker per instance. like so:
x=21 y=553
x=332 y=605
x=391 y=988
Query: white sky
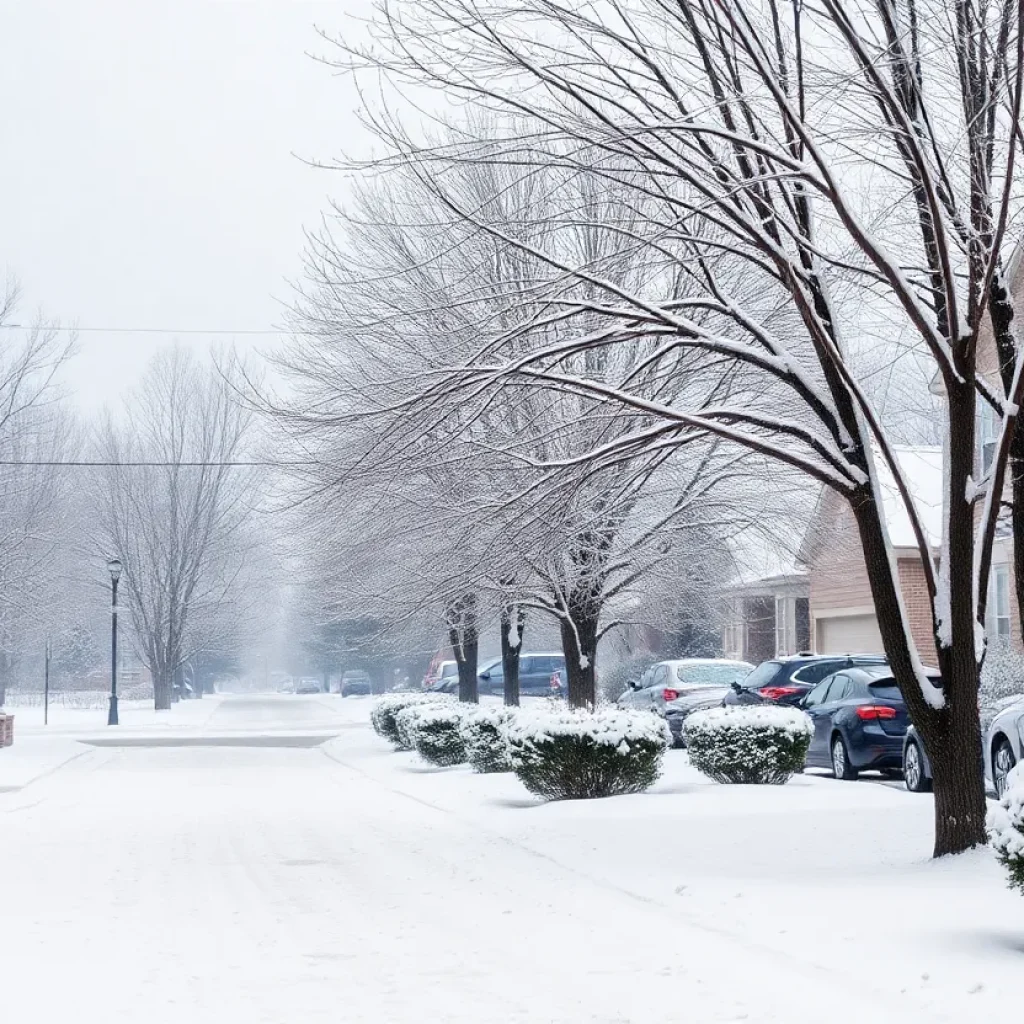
x=148 y=177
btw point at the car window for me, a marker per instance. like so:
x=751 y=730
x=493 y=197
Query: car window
x=721 y=675
x=449 y=670
x=886 y=689
x=763 y=675
x=816 y=672
x=526 y=666
x=496 y=670
x=550 y=664
x=840 y=688
x=818 y=695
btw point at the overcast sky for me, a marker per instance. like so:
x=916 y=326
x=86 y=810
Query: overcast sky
x=148 y=178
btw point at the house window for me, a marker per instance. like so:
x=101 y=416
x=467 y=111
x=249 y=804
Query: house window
x=997 y=614
x=988 y=436
x=785 y=626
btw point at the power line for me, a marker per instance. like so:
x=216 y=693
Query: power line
x=269 y=331
x=76 y=464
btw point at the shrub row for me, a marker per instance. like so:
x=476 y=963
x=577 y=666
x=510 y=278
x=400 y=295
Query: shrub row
x=557 y=754
x=564 y=754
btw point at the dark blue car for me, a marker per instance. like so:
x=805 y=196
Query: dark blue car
x=859 y=722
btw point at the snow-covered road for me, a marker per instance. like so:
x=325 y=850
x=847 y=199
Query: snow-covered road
x=245 y=877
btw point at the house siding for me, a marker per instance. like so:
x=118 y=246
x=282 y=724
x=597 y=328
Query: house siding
x=839 y=578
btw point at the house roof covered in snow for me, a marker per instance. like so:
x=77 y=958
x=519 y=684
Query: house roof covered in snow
x=921 y=466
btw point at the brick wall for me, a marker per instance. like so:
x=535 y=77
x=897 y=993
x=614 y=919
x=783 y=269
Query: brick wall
x=919 y=610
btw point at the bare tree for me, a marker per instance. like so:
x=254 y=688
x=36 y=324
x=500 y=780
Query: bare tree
x=35 y=498
x=498 y=481
x=853 y=157
x=173 y=506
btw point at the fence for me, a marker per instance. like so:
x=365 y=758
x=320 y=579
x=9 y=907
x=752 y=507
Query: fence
x=93 y=700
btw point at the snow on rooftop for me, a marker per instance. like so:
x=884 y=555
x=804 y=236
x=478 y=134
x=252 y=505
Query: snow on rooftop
x=922 y=467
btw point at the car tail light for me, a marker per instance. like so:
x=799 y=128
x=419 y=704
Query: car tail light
x=778 y=692
x=870 y=712
x=671 y=694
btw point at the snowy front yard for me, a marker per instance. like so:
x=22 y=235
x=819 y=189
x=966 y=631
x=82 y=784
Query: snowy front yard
x=832 y=876
x=268 y=883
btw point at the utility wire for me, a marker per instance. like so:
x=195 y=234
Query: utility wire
x=130 y=465
x=143 y=330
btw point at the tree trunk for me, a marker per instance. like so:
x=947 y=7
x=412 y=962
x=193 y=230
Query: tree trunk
x=958 y=777
x=162 y=690
x=579 y=644
x=511 y=614
x=465 y=641
x=952 y=735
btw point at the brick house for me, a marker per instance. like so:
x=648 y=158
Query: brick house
x=843 y=619
x=827 y=579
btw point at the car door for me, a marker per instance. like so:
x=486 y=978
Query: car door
x=541 y=669
x=816 y=706
x=527 y=676
x=492 y=679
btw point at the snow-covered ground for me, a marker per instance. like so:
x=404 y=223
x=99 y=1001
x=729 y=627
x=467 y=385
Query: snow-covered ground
x=246 y=875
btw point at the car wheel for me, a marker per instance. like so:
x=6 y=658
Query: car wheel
x=841 y=767
x=914 y=777
x=1003 y=762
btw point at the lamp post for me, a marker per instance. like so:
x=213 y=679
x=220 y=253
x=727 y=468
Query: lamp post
x=114 y=565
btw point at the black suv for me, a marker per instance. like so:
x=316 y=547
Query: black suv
x=786 y=680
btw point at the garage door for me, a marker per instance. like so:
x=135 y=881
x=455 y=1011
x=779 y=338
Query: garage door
x=848 y=634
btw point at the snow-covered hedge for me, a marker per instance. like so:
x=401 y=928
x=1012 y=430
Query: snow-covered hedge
x=385 y=711
x=751 y=744
x=1006 y=830
x=483 y=732
x=569 y=755
x=436 y=730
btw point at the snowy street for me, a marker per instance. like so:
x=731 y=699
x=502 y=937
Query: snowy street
x=235 y=870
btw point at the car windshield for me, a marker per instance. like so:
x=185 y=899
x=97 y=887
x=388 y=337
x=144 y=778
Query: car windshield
x=762 y=675
x=721 y=675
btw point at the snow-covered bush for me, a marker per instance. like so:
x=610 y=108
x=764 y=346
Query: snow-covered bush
x=570 y=755
x=1006 y=830
x=751 y=744
x=483 y=732
x=386 y=709
x=436 y=731
x=405 y=724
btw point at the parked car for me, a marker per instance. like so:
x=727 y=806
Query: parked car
x=788 y=680
x=537 y=674
x=447 y=677
x=677 y=711
x=1002 y=751
x=354 y=682
x=308 y=686
x=667 y=681
x=860 y=722
x=1004 y=744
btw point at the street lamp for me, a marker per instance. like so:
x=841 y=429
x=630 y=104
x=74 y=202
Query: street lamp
x=114 y=565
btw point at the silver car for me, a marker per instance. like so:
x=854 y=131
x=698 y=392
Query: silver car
x=1004 y=743
x=1003 y=749
x=667 y=681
